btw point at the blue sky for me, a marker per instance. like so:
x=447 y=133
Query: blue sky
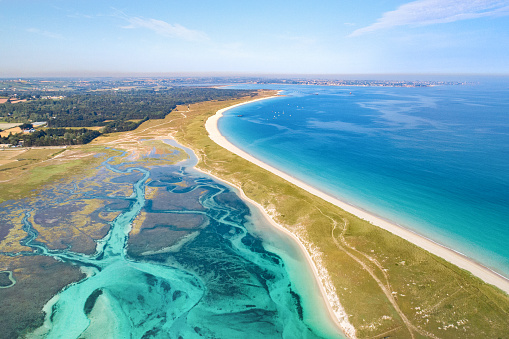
x=63 y=37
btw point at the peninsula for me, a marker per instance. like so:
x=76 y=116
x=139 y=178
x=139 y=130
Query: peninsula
x=383 y=282
x=448 y=254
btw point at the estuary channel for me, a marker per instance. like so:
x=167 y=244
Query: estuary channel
x=193 y=268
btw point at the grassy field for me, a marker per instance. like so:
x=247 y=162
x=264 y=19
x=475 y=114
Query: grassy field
x=23 y=171
x=11 y=130
x=388 y=286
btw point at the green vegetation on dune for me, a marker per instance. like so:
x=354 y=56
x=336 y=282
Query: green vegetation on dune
x=389 y=287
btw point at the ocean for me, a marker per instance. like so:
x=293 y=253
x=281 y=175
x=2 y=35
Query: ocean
x=432 y=159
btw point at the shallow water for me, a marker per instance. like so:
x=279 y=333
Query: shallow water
x=433 y=159
x=200 y=266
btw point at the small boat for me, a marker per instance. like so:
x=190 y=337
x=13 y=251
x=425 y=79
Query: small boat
x=240 y=115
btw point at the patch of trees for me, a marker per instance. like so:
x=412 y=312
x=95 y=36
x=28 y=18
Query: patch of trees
x=26 y=126
x=52 y=137
x=111 y=109
x=122 y=126
x=117 y=111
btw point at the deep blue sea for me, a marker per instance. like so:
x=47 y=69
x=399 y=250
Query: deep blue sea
x=432 y=159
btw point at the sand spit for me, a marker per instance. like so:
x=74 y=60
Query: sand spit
x=314 y=259
x=448 y=254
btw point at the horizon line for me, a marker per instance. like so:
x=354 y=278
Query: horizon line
x=219 y=74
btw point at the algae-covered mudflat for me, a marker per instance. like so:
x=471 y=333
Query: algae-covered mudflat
x=137 y=244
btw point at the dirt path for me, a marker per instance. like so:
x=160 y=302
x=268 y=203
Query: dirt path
x=385 y=287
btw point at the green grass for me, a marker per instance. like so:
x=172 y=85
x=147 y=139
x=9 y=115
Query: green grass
x=36 y=167
x=437 y=298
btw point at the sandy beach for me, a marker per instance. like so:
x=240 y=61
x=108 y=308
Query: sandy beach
x=338 y=315
x=448 y=254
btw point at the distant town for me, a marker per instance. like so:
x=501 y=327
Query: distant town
x=363 y=83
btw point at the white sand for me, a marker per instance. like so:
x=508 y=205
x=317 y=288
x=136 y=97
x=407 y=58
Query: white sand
x=453 y=257
x=336 y=311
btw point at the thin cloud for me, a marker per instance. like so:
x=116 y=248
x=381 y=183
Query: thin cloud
x=428 y=12
x=303 y=40
x=166 y=29
x=47 y=34
x=81 y=16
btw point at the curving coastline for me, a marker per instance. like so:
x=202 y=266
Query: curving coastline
x=331 y=301
x=448 y=254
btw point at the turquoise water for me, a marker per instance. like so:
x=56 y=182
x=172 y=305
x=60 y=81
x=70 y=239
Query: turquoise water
x=228 y=277
x=434 y=159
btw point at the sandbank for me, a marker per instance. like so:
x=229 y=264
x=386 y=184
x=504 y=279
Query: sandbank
x=448 y=254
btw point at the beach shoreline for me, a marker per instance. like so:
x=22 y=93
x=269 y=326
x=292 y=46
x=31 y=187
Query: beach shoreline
x=429 y=245
x=338 y=315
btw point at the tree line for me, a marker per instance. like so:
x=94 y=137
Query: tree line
x=116 y=111
x=100 y=108
x=52 y=137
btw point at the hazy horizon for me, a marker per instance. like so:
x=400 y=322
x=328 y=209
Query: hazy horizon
x=198 y=75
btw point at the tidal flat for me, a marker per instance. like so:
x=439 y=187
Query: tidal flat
x=145 y=249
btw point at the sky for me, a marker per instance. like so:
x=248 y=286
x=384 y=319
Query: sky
x=71 y=37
